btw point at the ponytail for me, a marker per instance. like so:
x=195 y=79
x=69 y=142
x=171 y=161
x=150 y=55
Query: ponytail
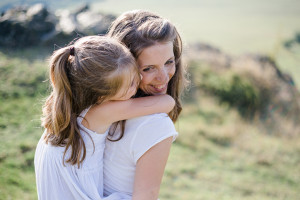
x=59 y=117
x=62 y=92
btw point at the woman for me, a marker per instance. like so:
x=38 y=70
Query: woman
x=135 y=164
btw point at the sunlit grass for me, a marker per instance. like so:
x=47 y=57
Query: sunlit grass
x=20 y=131
x=21 y=93
x=229 y=159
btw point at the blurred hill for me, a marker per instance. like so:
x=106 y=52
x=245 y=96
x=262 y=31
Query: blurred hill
x=253 y=84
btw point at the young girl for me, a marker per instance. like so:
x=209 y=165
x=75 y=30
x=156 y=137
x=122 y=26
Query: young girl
x=92 y=85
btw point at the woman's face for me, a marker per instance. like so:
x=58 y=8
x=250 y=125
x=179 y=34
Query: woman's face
x=157 y=67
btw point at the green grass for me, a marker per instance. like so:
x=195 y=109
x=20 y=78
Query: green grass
x=21 y=92
x=219 y=156
x=20 y=131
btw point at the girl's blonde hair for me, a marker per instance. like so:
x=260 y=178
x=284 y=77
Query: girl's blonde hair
x=141 y=29
x=88 y=72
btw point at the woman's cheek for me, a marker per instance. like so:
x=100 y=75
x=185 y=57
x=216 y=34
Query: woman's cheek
x=142 y=84
x=145 y=83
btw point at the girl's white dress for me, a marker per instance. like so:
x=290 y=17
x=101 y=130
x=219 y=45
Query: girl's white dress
x=56 y=180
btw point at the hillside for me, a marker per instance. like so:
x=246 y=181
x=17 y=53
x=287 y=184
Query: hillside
x=219 y=154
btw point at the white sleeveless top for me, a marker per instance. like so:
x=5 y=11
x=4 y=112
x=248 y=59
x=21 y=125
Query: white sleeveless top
x=120 y=157
x=56 y=181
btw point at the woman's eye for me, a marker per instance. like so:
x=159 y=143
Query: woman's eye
x=147 y=69
x=169 y=62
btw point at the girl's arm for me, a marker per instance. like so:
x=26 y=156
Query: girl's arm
x=113 y=111
x=148 y=176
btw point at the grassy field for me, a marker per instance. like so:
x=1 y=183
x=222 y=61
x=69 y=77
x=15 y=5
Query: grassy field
x=21 y=90
x=219 y=155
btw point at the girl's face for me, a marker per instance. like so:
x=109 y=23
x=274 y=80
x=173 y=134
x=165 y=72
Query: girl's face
x=157 y=67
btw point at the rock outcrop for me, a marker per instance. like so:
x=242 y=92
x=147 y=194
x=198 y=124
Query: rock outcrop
x=36 y=25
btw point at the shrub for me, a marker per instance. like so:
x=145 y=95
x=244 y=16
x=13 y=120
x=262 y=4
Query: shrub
x=230 y=88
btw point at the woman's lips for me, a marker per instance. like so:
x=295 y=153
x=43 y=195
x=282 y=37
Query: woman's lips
x=160 y=88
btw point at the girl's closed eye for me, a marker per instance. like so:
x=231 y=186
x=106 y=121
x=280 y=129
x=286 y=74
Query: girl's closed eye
x=133 y=83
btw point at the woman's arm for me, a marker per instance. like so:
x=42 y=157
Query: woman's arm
x=149 y=171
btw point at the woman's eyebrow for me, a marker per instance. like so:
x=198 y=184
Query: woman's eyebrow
x=171 y=58
x=146 y=65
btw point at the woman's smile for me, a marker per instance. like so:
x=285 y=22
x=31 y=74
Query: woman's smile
x=160 y=88
x=157 y=67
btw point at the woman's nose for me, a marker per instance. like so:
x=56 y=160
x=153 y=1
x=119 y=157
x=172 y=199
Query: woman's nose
x=162 y=75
